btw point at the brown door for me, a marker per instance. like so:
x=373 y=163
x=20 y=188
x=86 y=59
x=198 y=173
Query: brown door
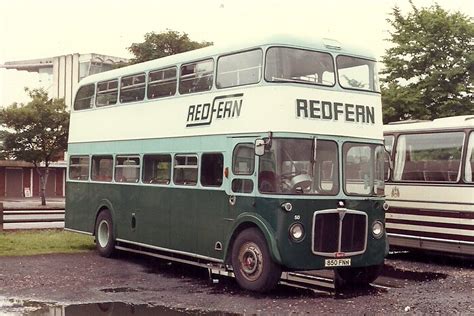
x=51 y=184
x=14 y=182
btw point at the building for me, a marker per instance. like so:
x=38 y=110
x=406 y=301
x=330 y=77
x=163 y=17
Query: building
x=19 y=178
x=66 y=70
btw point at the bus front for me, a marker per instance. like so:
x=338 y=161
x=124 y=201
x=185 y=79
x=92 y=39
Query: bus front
x=319 y=197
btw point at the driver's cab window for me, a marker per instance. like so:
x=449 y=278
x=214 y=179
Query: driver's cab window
x=299 y=166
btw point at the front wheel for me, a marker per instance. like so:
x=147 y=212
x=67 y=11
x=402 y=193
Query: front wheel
x=357 y=276
x=104 y=234
x=253 y=266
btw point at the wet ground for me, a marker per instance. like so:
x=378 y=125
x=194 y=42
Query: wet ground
x=87 y=284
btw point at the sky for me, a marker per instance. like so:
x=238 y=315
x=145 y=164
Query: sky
x=31 y=29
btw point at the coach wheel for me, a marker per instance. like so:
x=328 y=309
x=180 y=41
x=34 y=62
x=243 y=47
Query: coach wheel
x=253 y=266
x=104 y=234
x=357 y=276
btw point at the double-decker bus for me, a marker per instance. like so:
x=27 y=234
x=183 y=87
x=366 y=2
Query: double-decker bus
x=431 y=188
x=255 y=159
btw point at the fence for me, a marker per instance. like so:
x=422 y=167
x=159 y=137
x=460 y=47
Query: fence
x=30 y=218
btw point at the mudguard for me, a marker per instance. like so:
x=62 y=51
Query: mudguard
x=265 y=228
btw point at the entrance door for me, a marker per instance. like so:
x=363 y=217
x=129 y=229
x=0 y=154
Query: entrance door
x=14 y=182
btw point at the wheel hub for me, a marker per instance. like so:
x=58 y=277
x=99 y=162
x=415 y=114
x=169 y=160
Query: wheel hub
x=251 y=261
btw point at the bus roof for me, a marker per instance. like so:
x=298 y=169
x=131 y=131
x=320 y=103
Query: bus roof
x=462 y=121
x=321 y=44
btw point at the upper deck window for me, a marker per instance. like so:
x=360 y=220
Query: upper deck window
x=196 y=77
x=357 y=73
x=132 y=88
x=162 y=83
x=285 y=64
x=84 y=97
x=107 y=92
x=239 y=69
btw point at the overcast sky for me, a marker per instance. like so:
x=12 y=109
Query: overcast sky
x=36 y=29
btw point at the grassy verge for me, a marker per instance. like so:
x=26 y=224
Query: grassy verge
x=26 y=243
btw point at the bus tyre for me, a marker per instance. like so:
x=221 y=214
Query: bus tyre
x=253 y=266
x=104 y=234
x=356 y=276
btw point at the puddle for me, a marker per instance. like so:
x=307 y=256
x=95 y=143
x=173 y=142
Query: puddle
x=120 y=290
x=415 y=276
x=13 y=307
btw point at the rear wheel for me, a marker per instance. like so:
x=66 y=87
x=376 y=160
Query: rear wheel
x=104 y=234
x=253 y=266
x=357 y=276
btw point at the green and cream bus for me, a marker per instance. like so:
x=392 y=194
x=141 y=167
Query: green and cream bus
x=258 y=158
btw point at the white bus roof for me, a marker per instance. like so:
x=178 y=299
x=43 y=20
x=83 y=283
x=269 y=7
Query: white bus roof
x=320 y=44
x=462 y=121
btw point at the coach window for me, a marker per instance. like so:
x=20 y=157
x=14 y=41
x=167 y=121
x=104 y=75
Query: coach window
x=84 y=97
x=79 y=168
x=132 y=88
x=239 y=69
x=388 y=141
x=102 y=168
x=157 y=169
x=428 y=157
x=107 y=93
x=469 y=168
x=212 y=170
x=127 y=169
x=196 y=77
x=162 y=83
x=185 y=169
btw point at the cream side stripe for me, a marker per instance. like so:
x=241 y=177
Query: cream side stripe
x=430 y=219
x=431 y=206
x=449 y=231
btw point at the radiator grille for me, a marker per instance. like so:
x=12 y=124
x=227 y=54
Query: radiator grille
x=339 y=230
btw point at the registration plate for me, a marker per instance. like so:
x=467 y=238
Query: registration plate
x=337 y=262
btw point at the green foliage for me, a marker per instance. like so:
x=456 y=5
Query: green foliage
x=26 y=243
x=36 y=131
x=429 y=70
x=157 y=45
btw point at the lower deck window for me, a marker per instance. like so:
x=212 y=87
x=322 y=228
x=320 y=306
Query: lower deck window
x=127 y=169
x=185 y=169
x=79 y=168
x=102 y=168
x=157 y=169
x=212 y=170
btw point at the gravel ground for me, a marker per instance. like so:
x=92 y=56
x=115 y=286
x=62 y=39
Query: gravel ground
x=425 y=284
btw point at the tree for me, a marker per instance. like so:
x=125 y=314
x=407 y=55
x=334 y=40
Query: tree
x=36 y=132
x=429 y=69
x=163 y=44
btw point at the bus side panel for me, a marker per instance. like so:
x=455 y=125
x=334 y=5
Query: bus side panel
x=155 y=205
x=431 y=217
x=80 y=214
x=211 y=222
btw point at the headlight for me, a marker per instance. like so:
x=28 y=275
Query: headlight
x=377 y=229
x=287 y=206
x=297 y=232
